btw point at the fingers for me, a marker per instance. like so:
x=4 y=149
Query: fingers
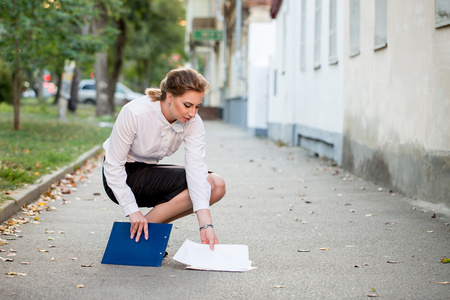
x=141 y=227
x=138 y=224
x=146 y=231
x=208 y=237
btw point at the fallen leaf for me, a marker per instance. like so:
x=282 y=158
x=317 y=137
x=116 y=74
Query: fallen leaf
x=52 y=259
x=43 y=250
x=392 y=262
x=73 y=258
x=323 y=248
x=279 y=286
x=444 y=282
x=301 y=250
x=80 y=286
x=445 y=260
x=373 y=295
x=370 y=215
x=15 y=274
x=87 y=266
x=11 y=254
x=6 y=259
x=433 y=216
x=430 y=231
x=25 y=263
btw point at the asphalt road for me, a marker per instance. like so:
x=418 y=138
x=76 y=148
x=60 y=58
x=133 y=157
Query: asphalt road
x=355 y=238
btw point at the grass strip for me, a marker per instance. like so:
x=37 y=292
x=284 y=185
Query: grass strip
x=43 y=144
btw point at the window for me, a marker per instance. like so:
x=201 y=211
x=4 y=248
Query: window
x=354 y=27
x=380 y=24
x=333 y=33
x=89 y=87
x=303 y=38
x=317 y=34
x=442 y=13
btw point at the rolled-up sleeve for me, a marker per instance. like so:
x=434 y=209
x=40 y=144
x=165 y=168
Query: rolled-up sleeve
x=195 y=165
x=116 y=151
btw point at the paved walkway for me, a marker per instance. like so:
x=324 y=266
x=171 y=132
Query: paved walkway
x=313 y=231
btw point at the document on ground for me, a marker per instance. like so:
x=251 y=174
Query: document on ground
x=231 y=258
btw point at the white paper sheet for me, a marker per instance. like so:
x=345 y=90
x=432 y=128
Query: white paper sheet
x=231 y=258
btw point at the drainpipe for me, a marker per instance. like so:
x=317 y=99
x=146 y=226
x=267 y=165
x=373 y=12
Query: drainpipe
x=238 y=37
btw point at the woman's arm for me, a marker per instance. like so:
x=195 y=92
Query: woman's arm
x=116 y=151
x=207 y=235
x=196 y=176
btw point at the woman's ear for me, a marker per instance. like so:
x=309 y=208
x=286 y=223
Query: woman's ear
x=169 y=98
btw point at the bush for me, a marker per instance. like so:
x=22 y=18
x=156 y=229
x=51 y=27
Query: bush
x=6 y=94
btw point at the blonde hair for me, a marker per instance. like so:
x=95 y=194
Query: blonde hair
x=177 y=82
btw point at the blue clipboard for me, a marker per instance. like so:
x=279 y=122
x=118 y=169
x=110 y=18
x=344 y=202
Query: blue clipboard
x=121 y=250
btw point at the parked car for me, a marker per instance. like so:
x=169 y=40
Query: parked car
x=87 y=93
x=29 y=93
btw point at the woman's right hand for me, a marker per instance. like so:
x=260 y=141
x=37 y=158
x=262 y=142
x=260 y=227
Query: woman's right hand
x=138 y=223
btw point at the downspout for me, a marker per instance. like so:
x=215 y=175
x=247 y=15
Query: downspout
x=237 y=29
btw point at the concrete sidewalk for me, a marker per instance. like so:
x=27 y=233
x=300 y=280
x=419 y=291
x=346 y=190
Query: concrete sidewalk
x=313 y=231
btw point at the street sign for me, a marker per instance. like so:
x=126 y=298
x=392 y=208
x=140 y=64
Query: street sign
x=207 y=35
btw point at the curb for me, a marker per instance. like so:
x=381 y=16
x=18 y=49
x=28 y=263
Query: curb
x=32 y=192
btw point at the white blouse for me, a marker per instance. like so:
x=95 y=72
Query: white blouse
x=141 y=133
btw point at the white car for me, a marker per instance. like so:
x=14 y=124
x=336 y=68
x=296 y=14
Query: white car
x=87 y=93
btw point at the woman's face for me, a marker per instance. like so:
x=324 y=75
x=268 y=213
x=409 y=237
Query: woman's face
x=184 y=107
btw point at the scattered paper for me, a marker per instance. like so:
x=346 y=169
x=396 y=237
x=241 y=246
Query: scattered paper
x=230 y=258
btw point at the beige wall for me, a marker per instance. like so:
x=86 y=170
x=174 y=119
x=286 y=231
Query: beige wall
x=397 y=101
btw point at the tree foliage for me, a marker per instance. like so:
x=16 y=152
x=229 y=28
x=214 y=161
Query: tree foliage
x=155 y=34
x=138 y=36
x=37 y=34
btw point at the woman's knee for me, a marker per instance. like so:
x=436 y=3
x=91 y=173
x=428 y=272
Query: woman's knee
x=218 y=188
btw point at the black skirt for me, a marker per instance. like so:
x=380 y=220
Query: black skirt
x=151 y=184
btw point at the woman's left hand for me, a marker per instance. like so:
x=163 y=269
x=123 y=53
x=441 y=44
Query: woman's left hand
x=208 y=236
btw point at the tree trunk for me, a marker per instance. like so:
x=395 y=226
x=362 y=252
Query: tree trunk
x=16 y=94
x=118 y=59
x=73 y=100
x=101 y=65
x=58 y=91
x=17 y=80
x=101 y=85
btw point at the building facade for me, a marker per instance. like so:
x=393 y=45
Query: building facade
x=364 y=83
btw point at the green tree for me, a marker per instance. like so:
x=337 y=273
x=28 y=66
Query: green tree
x=155 y=34
x=40 y=33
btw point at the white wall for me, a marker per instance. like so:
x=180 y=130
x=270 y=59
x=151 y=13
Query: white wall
x=260 y=50
x=397 y=101
x=307 y=103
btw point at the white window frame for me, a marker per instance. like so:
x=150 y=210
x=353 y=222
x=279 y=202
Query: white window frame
x=442 y=13
x=332 y=56
x=317 y=34
x=380 y=39
x=303 y=38
x=355 y=7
